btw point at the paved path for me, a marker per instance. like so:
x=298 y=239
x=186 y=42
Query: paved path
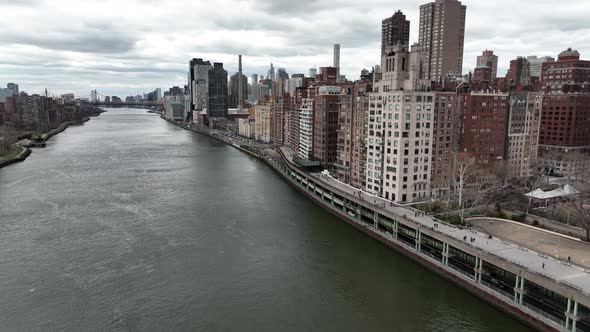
x=549 y=243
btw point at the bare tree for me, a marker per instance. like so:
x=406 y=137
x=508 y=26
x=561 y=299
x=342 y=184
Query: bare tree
x=577 y=206
x=473 y=183
x=8 y=136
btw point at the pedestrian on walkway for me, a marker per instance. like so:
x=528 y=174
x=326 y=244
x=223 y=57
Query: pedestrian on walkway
x=543 y=265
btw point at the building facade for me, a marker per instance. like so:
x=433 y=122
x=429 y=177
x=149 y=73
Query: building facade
x=444 y=143
x=442 y=34
x=523 y=133
x=177 y=107
x=484 y=124
x=262 y=124
x=490 y=60
x=400 y=128
x=325 y=123
x=198 y=84
x=395 y=30
x=234 y=93
x=564 y=139
x=351 y=146
x=306 y=121
x=217 y=91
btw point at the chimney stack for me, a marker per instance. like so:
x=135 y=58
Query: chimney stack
x=240 y=87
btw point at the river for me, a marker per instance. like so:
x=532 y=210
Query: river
x=129 y=223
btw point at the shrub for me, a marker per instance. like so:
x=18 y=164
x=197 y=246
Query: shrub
x=518 y=217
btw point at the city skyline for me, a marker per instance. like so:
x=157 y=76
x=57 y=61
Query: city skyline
x=138 y=48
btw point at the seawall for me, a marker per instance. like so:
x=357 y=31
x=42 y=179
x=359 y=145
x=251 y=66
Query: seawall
x=319 y=192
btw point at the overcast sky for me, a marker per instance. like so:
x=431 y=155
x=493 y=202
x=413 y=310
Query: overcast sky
x=123 y=47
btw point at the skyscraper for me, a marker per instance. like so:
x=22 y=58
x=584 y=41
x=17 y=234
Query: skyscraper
x=217 y=88
x=337 y=58
x=489 y=59
x=254 y=79
x=313 y=72
x=198 y=86
x=234 y=90
x=271 y=73
x=442 y=34
x=395 y=30
x=282 y=74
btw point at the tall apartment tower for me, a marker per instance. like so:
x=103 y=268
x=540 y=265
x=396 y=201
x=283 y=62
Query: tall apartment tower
x=395 y=30
x=198 y=84
x=442 y=34
x=400 y=128
x=489 y=59
x=337 y=58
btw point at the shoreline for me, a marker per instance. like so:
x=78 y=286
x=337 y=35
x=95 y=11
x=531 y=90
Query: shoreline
x=44 y=138
x=308 y=186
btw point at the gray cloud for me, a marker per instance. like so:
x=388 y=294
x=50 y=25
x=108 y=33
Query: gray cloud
x=131 y=46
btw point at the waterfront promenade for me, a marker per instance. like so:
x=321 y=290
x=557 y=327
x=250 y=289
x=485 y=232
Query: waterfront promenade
x=512 y=276
x=486 y=265
x=577 y=276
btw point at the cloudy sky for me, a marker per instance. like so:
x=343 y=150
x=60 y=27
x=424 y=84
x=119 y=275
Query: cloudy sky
x=122 y=47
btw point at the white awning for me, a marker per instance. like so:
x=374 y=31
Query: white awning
x=567 y=190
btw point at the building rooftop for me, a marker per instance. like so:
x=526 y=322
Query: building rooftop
x=569 y=53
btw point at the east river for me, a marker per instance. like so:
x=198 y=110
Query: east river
x=129 y=223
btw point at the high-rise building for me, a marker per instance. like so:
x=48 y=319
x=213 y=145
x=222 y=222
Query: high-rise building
x=259 y=91
x=292 y=84
x=234 y=93
x=442 y=34
x=262 y=124
x=564 y=138
x=336 y=61
x=13 y=87
x=519 y=73
x=271 y=73
x=523 y=132
x=353 y=104
x=327 y=76
x=484 y=123
x=400 y=128
x=282 y=74
x=254 y=79
x=444 y=142
x=10 y=90
x=198 y=84
x=536 y=64
x=395 y=30
x=177 y=106
x=325 y=125
x=305 y=146
x=217 y=90
x=491 y=61
x=277 y=120
x=313 y=72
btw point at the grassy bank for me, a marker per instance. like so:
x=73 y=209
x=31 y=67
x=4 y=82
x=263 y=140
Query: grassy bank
x=14 y=151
